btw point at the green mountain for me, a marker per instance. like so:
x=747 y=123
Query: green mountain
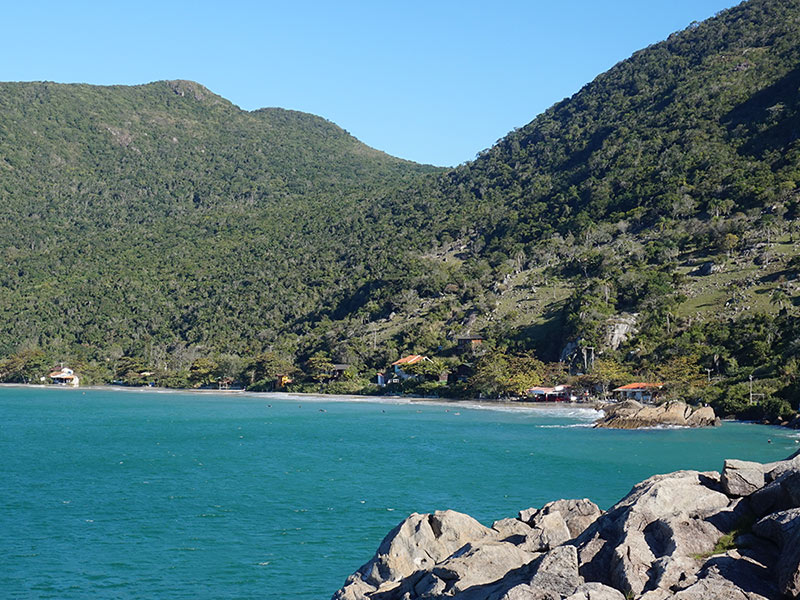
x=137 y=218
x=647 y=224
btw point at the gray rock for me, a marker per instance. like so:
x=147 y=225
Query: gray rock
x=649 y=545
x=354 y=589
x=547 y=531
x=666 y=515
x=742 y=478
x=480 y=564
x=632 y=415
x=524 y=591
x=708 y=267
x=595 y=591
x=702 y=417
x=783 y=493
x=512 y=530
x=730 y=577
x=777 y=469
x=789 y=570
x=557 y=571
x=783 y=528
x=430 y=586
x=526 y=516
x=577 y=514
x=414 y=547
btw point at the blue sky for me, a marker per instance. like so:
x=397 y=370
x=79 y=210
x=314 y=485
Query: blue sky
x=434 y=81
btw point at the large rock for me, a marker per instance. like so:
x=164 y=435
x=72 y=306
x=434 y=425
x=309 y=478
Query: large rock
x=511 y=528
x=783 y=528
x=633 y=415
x=547 y=531
x=414 y=547
x=577 y=514
x=480 y=564
x=665 y=517
x=730 y=577
x=657 y=543
x=553 y=575
x=742 y=478
x=595 y=591
x=780 y=494
x=553 y=524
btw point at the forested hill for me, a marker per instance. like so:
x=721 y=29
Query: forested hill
x=703 y=124
x=135 y=219
x=650 y=217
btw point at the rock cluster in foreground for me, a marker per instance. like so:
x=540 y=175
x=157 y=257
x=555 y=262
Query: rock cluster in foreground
x=634 y=415
x=665 y=539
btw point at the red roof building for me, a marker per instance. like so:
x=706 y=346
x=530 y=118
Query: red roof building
x=641 y=392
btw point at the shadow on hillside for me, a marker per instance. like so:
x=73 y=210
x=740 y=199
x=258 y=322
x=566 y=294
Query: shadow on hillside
x=546 y=336
x=770 y=117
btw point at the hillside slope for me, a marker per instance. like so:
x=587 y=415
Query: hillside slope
x=161 y=214
x=651 y=217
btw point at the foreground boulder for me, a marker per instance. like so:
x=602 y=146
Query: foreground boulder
x=634 y=415
x=685 y=535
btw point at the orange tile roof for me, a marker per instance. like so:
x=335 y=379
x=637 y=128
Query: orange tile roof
x=61 y=375
x=409 y=360
x=639 y=386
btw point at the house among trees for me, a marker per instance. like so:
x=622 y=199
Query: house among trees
x=65 y=376
x=468 y=342
x=641 y=392
x=559 y=393
x=411 y=359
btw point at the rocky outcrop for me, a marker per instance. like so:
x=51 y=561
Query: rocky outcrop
x=686 y=535
x=634 y=415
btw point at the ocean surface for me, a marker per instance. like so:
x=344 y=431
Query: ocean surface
x=141 y=494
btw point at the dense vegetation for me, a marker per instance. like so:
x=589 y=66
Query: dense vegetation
x=159 y=229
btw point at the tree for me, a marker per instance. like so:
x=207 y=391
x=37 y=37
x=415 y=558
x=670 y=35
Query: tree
x=430 y=368
x=25 y=367
x=606 y=373
x=498 y=374
x=264 y=368
x=204 y=371
x=728 y=243
x=319 y=366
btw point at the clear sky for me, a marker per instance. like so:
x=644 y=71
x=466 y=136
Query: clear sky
x=431 y=81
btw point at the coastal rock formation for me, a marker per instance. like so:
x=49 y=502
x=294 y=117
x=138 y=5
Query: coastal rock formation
x=685 y=535
x=634 y=415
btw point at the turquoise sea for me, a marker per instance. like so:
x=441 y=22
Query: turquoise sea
x=141 y=494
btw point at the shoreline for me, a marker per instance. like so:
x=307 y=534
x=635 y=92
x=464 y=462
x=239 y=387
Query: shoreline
x=465 y=403
x=476 y=404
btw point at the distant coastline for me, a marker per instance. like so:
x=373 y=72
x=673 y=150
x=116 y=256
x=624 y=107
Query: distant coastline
x=312 y=397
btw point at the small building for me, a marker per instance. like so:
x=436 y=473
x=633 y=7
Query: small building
x=65 y=376
x=411 y=359
x=641 y=392
x=468 y=342
x=559 y=393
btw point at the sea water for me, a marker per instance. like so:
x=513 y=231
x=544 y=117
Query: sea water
x=140 y=494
